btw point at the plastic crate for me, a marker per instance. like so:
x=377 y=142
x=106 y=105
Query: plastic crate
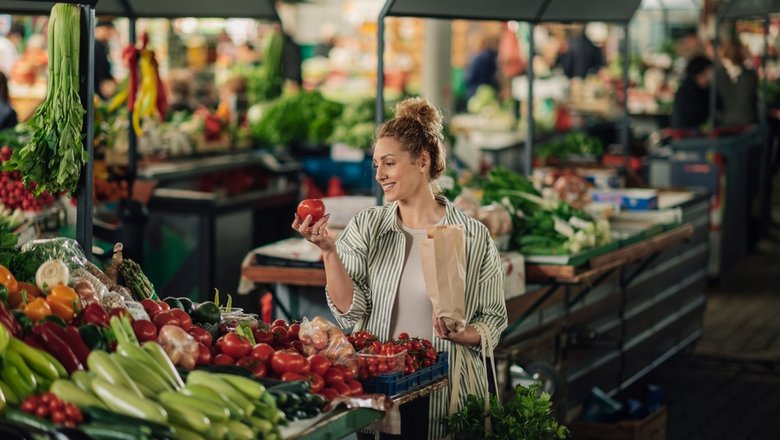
x=393 y=384
x=652 y=427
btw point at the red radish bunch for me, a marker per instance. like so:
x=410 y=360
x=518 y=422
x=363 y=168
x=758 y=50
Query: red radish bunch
x=14 y=194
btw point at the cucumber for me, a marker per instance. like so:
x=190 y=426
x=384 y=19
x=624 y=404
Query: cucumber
x=28 y=420
x=183 y=433
x=105 y=431
x=104 y=416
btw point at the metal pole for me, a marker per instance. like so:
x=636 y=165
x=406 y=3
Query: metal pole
x=764 y=91
x=380 y=83
x=529 y=109
x=132 y=140
x=624 y=138
x=87 y=90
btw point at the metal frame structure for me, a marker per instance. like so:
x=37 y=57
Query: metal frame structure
x=532 y=12
x=86 y=92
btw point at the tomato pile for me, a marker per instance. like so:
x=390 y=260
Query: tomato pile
x=49 y=406
x=420 y=353
x=380 y=358
x=15 y=194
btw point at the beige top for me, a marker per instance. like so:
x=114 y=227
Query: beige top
x=412 y=310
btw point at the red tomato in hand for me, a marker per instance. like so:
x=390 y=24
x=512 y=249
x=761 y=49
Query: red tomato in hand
x=201 y=335
x=333 y=376
x=319 y=364
x=185 y=322
x=234 y=345
x=262 y=352
x=284 y=361
x=313 y=207
x=144 y=330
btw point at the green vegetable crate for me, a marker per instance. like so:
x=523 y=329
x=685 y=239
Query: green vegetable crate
x=393 y=384
x=652 y=427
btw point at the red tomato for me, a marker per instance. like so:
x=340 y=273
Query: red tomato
x=234 y=345
x=204 y=355
x=151 y=307
x=403 y=335
x=342 y=388
x=223 y=359
x=319 y=364
x=317 y=383
x=201 y=335
x=313 y=207
x=357 y=387
x=144 y=330
x=293 y=331
x=165 y=318
x=329 y=393
x=347 y=372
x=281 y=337
x=292 y=377
x=264 y=337
x=185 y=321
x=333 y=376
x=58 y=417
x=279 y=323
x=297 y=345
x=284 y=361
x=262 y=352
x=163 y=306
x=256 y=366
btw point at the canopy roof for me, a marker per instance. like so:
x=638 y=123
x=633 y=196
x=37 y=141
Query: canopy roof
x=260 y=9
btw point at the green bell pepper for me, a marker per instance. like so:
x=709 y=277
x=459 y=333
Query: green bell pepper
x=94 y=337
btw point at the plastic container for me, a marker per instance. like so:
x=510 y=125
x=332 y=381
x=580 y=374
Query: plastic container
x=396 y=383
x=394 y=363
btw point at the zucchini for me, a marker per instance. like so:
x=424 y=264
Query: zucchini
x=104 y=416
x=28 y=420
x=105 y=431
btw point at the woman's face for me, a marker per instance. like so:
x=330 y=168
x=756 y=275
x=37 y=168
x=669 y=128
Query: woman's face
x=400 y=176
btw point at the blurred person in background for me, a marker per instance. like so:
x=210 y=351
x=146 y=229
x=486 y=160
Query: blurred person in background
x=9 y=53
x=692 y=99
x=483 y=65
x=105 y=84
x=8 y=117
x=580 y=56
x=737 y=88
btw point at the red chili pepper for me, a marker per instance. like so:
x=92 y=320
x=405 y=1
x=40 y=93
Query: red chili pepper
x=94 y=314
x=72 y=337
x=57 y=347
x=130 y=55
x=9 y=321
x=162 y=97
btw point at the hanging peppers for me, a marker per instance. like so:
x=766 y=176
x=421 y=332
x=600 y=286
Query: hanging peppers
x=146 y=92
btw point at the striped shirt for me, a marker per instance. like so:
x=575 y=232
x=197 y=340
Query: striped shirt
x=372 y=248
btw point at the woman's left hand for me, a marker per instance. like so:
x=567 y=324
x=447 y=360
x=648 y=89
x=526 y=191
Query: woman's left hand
x=469 y=335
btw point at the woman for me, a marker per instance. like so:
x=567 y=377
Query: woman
x=374 y=275
x=692 y=99
x=8 y=117
x=737 y=88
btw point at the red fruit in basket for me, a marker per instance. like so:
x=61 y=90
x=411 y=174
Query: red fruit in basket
x=234 y=345
x=403 y=335
x=313 y=207
x=223 y=359
x=151 y=307
x=201 y=335
x=333 y=375
x=185 y=321
x=144 y=330
x=284 y=361
x=319 y=364
x=262 y=352
x=165 y=318
x=329 y=393
x=204 y=355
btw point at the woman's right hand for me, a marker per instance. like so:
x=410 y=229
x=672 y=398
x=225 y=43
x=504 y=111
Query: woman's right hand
x=318 y=233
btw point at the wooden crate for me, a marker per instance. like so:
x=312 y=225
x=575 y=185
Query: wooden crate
x=652 y=427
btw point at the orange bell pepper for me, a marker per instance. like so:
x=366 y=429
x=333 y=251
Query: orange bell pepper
x=7 y=279
x=63 y=301
x=26 y=293
x=37 y=309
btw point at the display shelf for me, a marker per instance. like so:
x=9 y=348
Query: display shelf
x=192 y=167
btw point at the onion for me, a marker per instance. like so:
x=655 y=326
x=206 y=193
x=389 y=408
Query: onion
x=51 y=273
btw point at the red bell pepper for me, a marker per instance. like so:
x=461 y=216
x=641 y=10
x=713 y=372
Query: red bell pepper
x=94 y=314
x=57 y=347
x=34 y=341
x=72 y=337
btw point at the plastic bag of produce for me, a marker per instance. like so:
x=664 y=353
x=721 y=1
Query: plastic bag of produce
x=443 y=255
x=36 y=252
x=320 y=336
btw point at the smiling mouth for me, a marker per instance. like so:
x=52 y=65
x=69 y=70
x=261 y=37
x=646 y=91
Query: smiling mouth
x=387 y=186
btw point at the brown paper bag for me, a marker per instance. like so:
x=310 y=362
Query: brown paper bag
x=443 y=254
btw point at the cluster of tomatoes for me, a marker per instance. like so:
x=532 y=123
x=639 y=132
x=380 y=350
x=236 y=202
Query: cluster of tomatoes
x=278 y=353
x=49 y=406
x=420 y=353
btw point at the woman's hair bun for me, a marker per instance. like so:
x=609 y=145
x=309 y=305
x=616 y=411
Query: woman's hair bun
x=421 y=111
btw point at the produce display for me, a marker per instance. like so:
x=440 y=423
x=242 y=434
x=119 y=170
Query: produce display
x=573 y=145
x=300 y=117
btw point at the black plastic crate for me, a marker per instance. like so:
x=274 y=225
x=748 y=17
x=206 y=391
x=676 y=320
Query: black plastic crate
x=393 y=384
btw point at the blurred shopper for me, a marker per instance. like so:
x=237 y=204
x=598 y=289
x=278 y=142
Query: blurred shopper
x=581 y=56
x=8 y=117
x=737 y=88
x=9 y=53
x=105 y=84
x=692 y=100
x=483 y=66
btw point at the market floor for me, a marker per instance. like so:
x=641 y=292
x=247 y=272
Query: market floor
x=728 y=386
